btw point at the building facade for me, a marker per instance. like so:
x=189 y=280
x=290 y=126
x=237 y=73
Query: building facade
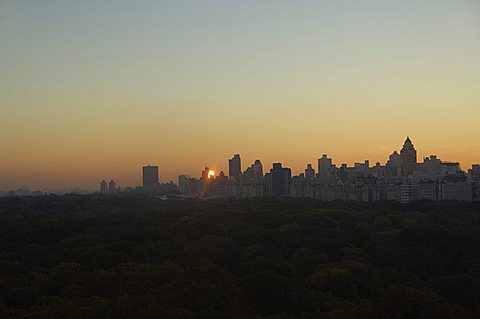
x=150 y=176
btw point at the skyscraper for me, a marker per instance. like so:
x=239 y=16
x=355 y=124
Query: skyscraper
x=277 y=182
x=394 y=165
x=235 y=167
x=309 y=173
x=253 y=173
x=408 y=156
x=112 y=186
x=325 y=167
x=150 y=176
x=103 y=187
x=205 y=173
x=258 y=169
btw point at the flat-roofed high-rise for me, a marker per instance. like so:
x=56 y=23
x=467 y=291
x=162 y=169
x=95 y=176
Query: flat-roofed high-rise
x=277 y=182
x=235 y=167
x=150 y=176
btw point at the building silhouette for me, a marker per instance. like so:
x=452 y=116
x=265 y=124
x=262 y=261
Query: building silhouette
x=150 y=176
x=394 y=165
x=277 y=181
x=408 y=157
x=112 y=186
x=103 y=187
x=401 y=179
x=205 y=172
x=235 y=167
x=257 y=170
x=188 y=185
x=310 y=173
x=325 y=167
x=251 y=182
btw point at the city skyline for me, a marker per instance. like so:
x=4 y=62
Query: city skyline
x=93 y=90
x=240 y=159
x=403 y=178
x=237 y=169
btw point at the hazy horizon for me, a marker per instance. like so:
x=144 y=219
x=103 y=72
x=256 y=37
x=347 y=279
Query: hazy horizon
x=132 y=176
x=92 y=91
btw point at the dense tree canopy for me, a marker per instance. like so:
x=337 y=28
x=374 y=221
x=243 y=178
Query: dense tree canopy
x=139 y=257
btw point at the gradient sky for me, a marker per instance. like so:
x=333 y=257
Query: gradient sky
x=96 y=89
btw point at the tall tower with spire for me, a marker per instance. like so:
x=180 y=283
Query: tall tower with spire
x=408 y=157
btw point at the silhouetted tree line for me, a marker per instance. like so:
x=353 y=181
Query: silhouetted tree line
x=140 y=257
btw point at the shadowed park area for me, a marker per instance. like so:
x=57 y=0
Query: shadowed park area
x=139 y=257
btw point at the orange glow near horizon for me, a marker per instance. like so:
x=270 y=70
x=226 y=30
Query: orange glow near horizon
x=81 y=102
x=211 y=173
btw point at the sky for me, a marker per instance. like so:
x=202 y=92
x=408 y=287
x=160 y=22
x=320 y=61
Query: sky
x=93 y=90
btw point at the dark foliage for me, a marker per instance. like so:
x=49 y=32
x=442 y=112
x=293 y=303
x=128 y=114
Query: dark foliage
x=139 y=257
